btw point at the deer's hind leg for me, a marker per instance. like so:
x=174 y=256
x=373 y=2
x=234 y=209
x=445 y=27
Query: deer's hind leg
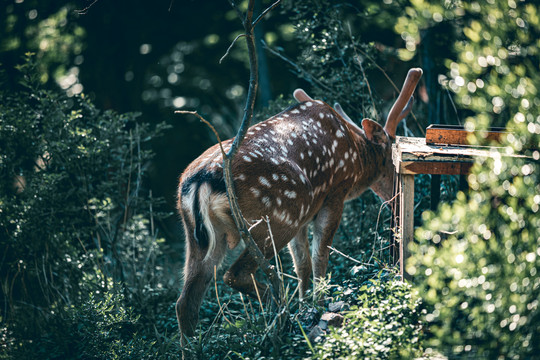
x=325 y=226
x=299 y=249
x=198 y=274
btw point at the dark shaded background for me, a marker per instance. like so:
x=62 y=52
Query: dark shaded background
x=159 y=56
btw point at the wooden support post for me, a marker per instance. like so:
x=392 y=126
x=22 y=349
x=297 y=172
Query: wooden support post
x=406 y=219
x=435 y=191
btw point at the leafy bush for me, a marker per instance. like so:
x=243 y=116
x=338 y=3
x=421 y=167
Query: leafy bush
x=383 y=323
x=477 y=261
x=98 y=328
x=75 y=215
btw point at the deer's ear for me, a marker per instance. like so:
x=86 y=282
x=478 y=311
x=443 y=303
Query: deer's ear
x=374 y=131
x=301 y=96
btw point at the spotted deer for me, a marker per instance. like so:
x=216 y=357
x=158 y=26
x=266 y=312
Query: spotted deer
x=296 y=168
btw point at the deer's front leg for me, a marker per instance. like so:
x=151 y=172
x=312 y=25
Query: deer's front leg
x=325 y=226
x=299 y=248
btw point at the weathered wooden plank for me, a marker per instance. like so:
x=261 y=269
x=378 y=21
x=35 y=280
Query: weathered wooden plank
x=457 y=135
x=409 y=153
x=435 y=167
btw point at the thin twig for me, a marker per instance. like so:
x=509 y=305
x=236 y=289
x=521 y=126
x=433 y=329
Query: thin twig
x=259 y=298
x=217 y=295
x=453 y=105
x=377 y=224
x=256 y=223
x=207 y=123
x=245 y=307
x=230 y=47
x=348 y=257
x=276 y=257
x=85 y=10
x=268 y=9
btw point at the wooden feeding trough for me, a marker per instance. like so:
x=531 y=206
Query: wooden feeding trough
x=444 y=151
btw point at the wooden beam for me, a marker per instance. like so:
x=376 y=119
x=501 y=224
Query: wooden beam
x=435 y=167
x=406 y=220
x=457 y=135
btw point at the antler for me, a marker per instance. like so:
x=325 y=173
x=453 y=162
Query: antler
x=403 y=104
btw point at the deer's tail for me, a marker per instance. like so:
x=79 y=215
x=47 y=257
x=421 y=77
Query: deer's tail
x=204 y=206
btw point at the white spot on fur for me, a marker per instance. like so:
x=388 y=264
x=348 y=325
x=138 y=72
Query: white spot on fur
x=295 y=111
x=246 y=158
x=293 y=134
x=321 y=115
x=339 y=134
x=264 y=181
x=275 y=177
x=275 y=161
x=290 y=194
x=255 y=192
x=309 y=103
x=303 y=107
x=266 y=201
x=289 y=141
x=241 y=177
x=278 y=201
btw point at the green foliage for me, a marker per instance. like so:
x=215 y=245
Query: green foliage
x=332 y=55
x=99 y=328
x=75 y=215
x=383 y=323
x=477 y=260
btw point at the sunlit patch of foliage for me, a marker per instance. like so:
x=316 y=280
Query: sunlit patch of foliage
x=477 y=260
x=383 y=322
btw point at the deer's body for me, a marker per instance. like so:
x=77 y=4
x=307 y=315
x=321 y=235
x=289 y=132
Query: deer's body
x=297 y=168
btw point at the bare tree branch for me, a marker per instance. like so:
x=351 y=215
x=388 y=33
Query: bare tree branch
x=241 y=225
x=230 y=47
x=270 y=8
x=207 y=123
x=85 y=10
